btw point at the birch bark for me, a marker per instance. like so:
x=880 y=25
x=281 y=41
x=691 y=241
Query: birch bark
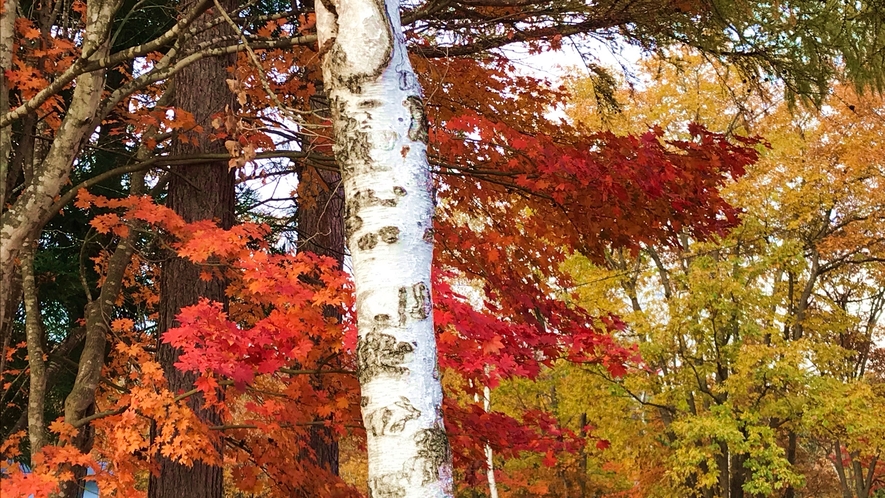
x=381 y=147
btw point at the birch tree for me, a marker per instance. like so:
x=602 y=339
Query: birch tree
x=381 y=146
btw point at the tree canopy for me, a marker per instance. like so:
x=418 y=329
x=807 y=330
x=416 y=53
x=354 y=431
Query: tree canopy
x=672 y=291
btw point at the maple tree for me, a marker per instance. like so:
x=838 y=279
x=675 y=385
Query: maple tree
x=511 y=185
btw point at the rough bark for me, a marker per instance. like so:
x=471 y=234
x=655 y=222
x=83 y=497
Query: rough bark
x=380 y=145
x=197 y=192
x=80 y=402
x=321 y=231
x=21 y=221
x=98 y=312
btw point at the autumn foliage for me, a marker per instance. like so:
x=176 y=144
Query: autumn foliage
x=520 y=194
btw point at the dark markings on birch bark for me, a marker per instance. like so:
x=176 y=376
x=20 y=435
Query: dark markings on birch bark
x=338 y=58
x=392 y=419
x=369 y=104
x=434 y=451
x=418 y=125
x=414 y=302
x=388 y=486
x=367 y=198
x=352 y=224
x=403 y=305
x=367 y=241
x=421 y=308
x=364 y=401
x=379 y=353
x=332 y=7
x=357 y=148
x=407 y=79
x=389 y=234
x=428 y=235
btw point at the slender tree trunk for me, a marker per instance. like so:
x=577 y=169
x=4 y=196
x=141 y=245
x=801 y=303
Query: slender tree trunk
x=199 y=192
x=582 y=463
x=36 y=363
x=738 y=475
x=871 y=475
x=8 y=10
x=792 y=441
x=80 y=402
x=381 y=146
x=490 y=462
x=8 y=298
x=839 y=464
x=722 y=462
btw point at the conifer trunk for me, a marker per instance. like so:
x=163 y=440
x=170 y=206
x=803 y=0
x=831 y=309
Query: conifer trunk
x=381 y=147
x=198 y=192
x=321 y=231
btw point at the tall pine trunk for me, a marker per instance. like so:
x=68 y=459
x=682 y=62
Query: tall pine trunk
x=198 y=192
x=321 y=231
x=381 y=147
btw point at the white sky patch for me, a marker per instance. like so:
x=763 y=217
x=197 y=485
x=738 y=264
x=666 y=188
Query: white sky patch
x=568 y=62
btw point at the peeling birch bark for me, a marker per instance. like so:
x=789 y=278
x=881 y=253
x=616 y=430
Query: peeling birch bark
x=381 y=147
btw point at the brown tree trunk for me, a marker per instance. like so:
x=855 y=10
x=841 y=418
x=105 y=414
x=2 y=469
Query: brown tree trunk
x=791 y=458
x=320 y=224
x=198 y=192
x=321 y=231
x=738 y=475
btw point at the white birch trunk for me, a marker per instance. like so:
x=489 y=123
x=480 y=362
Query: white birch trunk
x=490 y=462
x=381 y=147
